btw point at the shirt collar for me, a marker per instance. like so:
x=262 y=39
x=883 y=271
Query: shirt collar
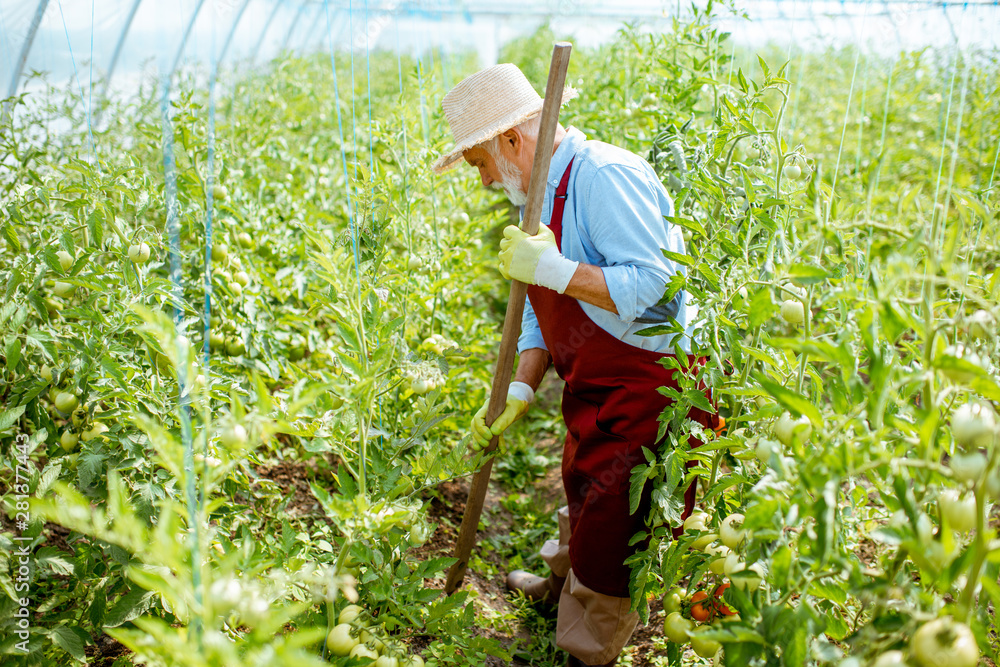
x=568 y=148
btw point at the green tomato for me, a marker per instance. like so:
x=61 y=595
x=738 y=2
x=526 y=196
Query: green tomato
x=765 y=447
x=414 y=661
x=46 y=373
x=68 y=440
x=792 y=311
x=973 y=425
x=139 y=253
x=677 y=628
x=944 y=642
x=63 y=290
x=245 y=240
x=673 y=599
x=386 y=661
x=235 y=347
x=236 y=288
x=220 y=192
x=242 y=278
x=66 y=402
x=733 y=564
x=369 y=638
x=703 y=541
x=235 y=437
x=792 y=171
x=414 y=262
x=731 y=531
x=65 y=260
x=220 y=252
x=362 y=651
x=216 y=340
x=967 y=467
x=747 y=578
x=706 y=648
x=95 y=430
x=786 y=428
x=698 y=521
x=349 y=613
x=339 y=641
x=959 y=510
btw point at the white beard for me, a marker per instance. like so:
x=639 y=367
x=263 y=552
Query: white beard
x=510 y=180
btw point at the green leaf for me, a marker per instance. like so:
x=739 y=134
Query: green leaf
x=95 y=225
x=98 y=608
x=687 y=223
x=679 y=257
x=13 y=354
x=10 y=234
x=68 y=641
x=48 y=476
x=762 y=308
x=807 y=273
x=129 y=607
x=793 y=401
x=638 y=483
x=10 y=417
x=729 y=247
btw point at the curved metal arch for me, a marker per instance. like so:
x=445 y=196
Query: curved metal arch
x=311 y=30
x=29 y=39
x=113 y=63
x=291 y=28
x=184 y=39
x=263 y=33
x=232 y=31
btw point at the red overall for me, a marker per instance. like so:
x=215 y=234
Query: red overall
x=610 y=406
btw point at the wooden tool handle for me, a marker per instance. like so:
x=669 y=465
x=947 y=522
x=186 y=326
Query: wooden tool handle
x=515 y=310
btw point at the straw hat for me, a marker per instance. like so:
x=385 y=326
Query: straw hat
x=486 y=104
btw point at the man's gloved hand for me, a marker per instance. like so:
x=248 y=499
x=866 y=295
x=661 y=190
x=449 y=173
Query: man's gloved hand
x=519 y=397
x=535 y=260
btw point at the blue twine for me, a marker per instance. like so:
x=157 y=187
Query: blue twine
x=177 y=295
x=406 y=163
x=209 y=208
x=90 y=93
x=354 y=89
x=72 y=59
x=343 y=153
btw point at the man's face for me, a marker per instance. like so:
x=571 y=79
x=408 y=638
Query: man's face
x=498 y=172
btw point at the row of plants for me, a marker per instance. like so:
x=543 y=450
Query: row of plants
x=847 y=301
x=846 y=306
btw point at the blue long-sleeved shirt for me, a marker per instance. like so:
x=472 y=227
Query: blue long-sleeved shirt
x=614 y=219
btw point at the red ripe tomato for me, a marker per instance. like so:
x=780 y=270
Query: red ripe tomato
x=720 y=605
x=701 y=609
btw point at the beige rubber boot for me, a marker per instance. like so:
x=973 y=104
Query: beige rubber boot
x=545 y=590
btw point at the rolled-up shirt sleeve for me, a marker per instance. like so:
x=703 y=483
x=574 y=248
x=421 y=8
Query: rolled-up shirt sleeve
x=624 y=219
x=531 y=333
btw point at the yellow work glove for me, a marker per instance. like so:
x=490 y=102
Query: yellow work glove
x=535 y=260
x=519 y=397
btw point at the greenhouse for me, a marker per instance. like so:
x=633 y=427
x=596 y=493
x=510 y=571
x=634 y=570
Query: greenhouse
x=284 y=280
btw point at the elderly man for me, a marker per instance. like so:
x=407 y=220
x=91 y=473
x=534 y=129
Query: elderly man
x=596 y=274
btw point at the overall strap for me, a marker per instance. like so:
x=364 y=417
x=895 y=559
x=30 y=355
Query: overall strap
x=559 y=203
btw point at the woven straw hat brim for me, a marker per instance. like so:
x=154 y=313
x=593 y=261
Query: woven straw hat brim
x=513 y=119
